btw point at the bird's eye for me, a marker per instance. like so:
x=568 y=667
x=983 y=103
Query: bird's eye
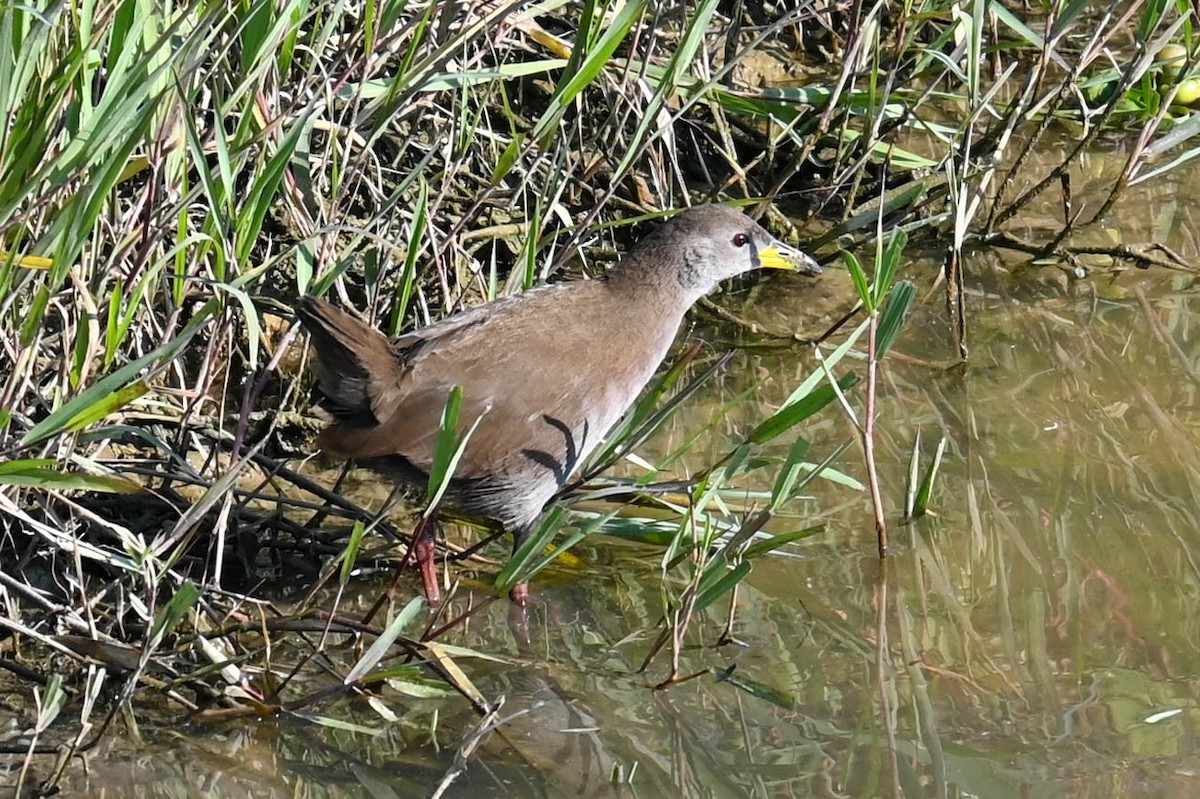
x=741 y=240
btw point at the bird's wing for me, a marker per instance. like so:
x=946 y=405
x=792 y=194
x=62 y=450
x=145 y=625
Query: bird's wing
x=544 y=379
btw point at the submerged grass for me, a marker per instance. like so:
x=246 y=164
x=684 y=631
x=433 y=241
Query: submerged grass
x=173 y=175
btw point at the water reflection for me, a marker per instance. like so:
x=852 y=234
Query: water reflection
x=1042 y=632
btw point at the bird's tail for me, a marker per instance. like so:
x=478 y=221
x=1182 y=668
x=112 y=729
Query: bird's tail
x=352 y=358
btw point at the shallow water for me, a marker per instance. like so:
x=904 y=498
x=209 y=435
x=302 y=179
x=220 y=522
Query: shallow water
x=1036 y=637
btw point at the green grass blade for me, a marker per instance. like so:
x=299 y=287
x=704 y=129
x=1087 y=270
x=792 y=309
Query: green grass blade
x=43 y=474
x=921 y=505
x=181 y=604
x=891 y=320
x=713 y=589
x=416 y=235
x=766 y=545
x=789 y=473
x=262 y=194
x=350 y=553
x=681 y=60
x=791 y=415
x=885 y=273
x=448 y=450
x=591 y=65
x=859 y=276
x=912 y=479
x=87 y=406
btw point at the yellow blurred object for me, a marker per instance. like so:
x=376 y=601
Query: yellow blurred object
x=26 y=261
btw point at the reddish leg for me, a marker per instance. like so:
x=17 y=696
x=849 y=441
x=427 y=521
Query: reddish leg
x=519 y=593
x=424 y=549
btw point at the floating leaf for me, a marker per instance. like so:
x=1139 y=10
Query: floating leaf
x=339 y=724
x=756 y=688
x=383 y=643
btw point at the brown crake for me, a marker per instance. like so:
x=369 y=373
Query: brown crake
x=547 y=373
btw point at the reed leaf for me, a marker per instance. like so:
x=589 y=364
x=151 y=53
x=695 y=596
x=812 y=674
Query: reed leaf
x=791 y=415
x=44 y=474
x=891 y=319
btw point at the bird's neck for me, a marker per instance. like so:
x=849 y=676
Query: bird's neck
x=641 y=278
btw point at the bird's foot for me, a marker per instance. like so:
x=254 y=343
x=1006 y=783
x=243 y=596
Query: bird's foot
x=520 y=594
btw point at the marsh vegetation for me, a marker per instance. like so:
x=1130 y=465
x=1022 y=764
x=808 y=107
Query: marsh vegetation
x=999 y=386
